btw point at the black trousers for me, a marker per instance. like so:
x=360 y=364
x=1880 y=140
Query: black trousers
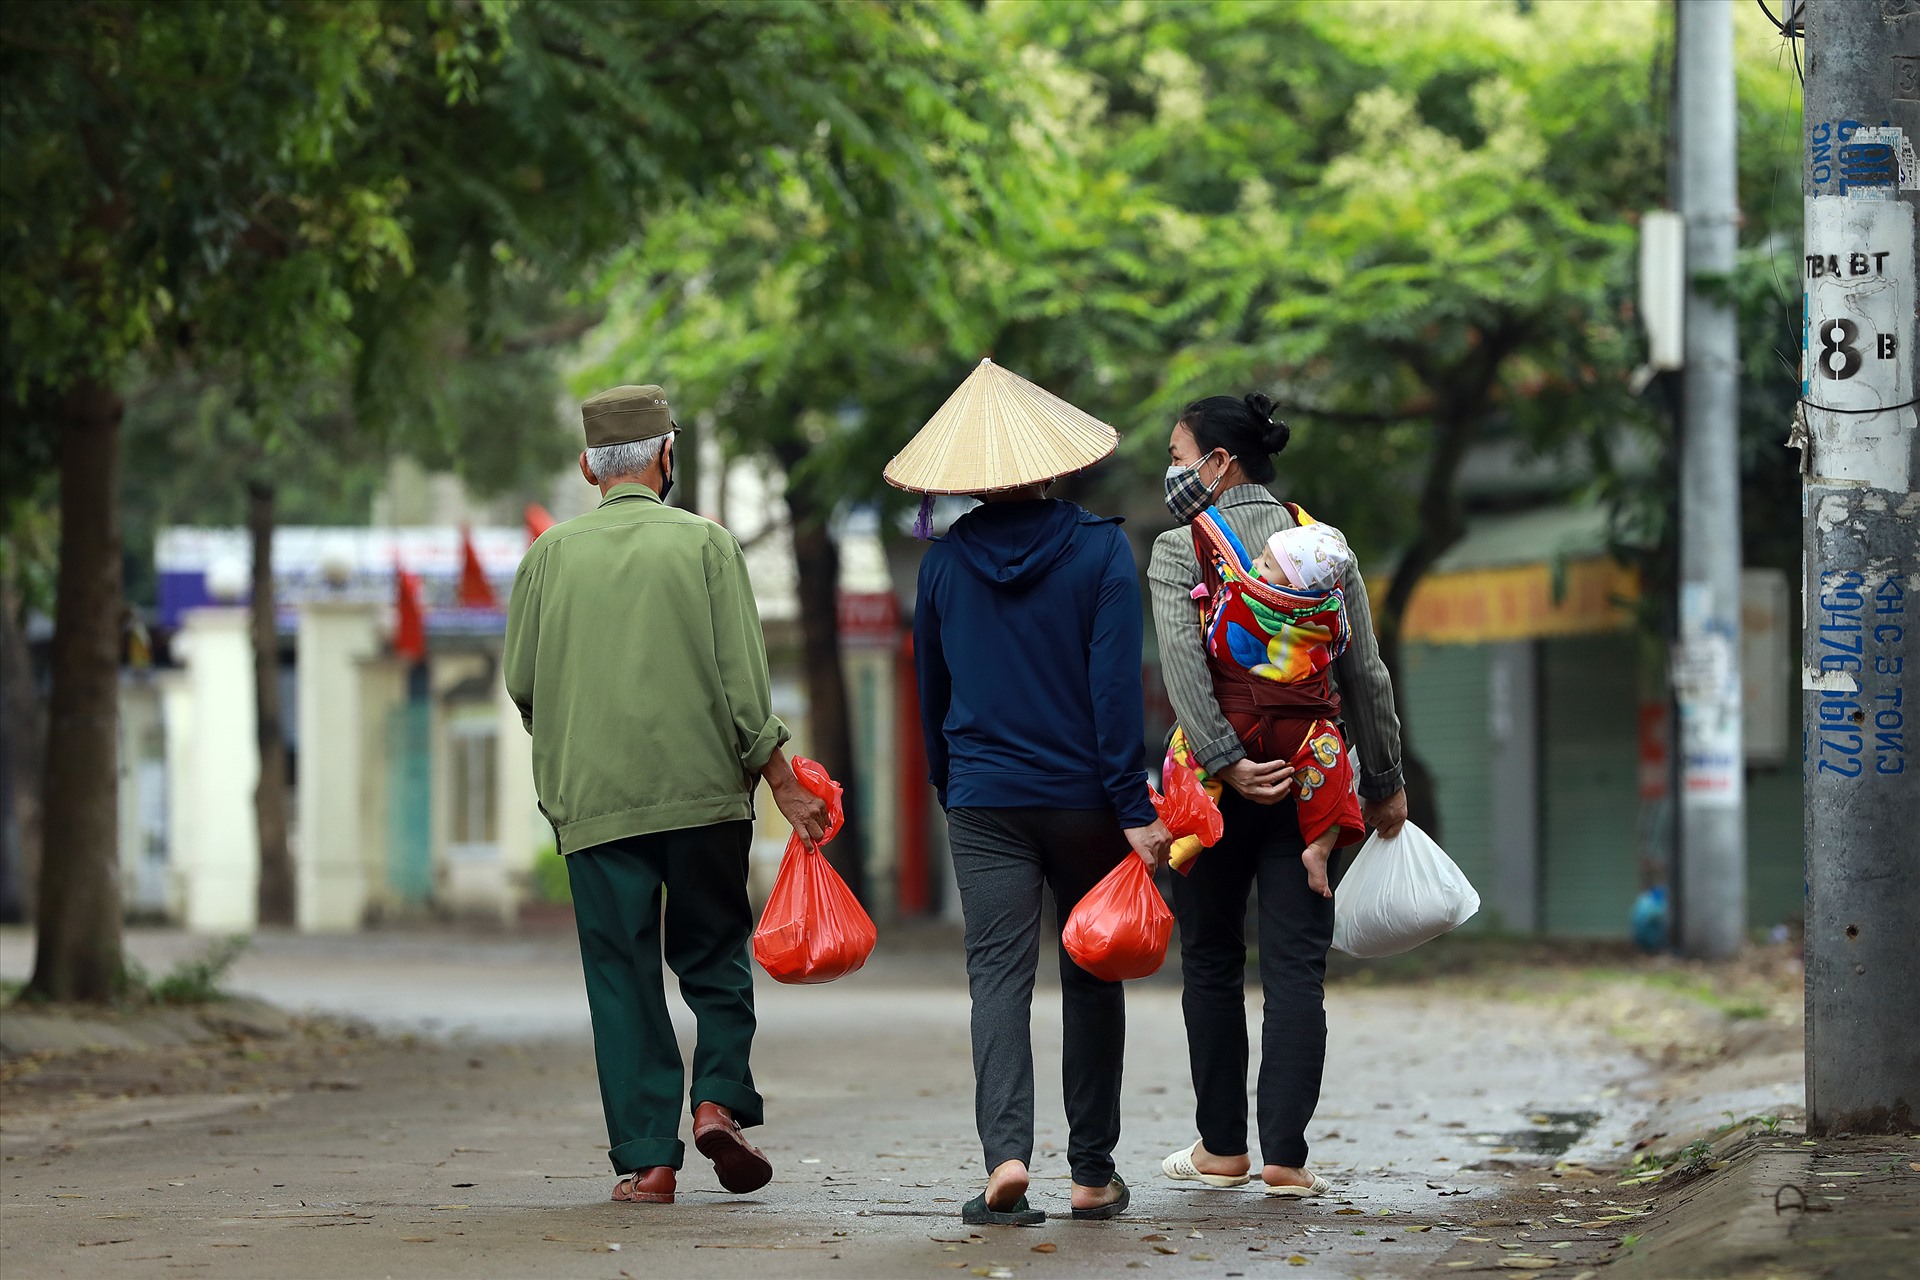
x=1260 y=851
x=1001 y=857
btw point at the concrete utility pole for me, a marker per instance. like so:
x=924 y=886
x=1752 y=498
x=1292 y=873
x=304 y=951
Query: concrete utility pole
x=1862 y=527
x=1712 y=889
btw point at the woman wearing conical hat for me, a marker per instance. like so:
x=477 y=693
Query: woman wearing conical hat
x=1027 y=642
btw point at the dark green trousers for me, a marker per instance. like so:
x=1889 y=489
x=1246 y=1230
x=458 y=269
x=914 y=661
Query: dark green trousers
x=618 y=888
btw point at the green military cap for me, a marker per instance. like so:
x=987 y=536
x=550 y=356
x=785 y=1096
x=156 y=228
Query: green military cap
x=625 y=414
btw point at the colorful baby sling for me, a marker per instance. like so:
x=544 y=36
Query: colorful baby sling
x=1268 y=647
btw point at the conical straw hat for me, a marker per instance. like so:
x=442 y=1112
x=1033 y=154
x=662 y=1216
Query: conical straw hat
x=999 y=431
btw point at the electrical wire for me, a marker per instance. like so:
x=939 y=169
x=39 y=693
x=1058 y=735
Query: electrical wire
x=1787 y=309
x=1793 y=31
x=1855 y=413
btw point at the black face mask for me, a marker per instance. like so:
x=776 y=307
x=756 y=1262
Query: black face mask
x=666 y=471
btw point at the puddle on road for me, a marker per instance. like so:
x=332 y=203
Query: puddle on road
x=1549 y=1133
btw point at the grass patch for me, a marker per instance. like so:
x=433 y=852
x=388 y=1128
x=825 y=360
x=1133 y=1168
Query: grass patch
x=195 y=980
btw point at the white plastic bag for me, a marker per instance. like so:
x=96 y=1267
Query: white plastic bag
x=1398 y=894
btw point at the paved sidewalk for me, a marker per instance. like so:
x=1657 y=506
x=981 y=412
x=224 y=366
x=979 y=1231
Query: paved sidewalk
x=478 y=1150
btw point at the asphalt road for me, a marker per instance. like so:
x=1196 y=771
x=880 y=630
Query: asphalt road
x=466 y=1140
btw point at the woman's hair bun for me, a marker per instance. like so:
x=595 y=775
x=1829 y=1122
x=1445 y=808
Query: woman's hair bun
x=1273 y=435
x=1243 y=426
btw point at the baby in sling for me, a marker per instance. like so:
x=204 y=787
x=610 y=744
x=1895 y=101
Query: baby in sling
x=1271 y=626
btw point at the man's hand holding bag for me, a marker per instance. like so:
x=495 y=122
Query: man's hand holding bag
x=813 y=928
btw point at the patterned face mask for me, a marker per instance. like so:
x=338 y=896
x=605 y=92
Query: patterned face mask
x=1187 y=494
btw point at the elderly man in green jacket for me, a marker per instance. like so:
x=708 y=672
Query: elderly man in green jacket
x=635 y=655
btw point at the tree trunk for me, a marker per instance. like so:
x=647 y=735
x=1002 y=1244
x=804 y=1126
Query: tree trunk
x=816 y=560
x=1422 y=799
x=1461 y=401
x=77 y=953
x=1442 y=524
x=25 y=735
x=686 y=468
x=270 y=796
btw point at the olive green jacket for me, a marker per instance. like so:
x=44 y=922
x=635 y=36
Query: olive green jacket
x=635 y=656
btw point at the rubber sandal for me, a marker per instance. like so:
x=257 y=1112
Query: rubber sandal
x=1320 y=1187
x=1112 y=1209
x=975 y=1213
x=1179 y=1166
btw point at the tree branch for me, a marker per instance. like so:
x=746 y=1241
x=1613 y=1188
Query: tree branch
x=1356 y=417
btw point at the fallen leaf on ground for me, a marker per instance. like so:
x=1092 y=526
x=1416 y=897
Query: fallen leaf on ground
x=1347 y=1211
x=1529 y=1264
x=1165 y=1248
x=1045 y=1246
x=421 y=1239
x=437 y=1208
x=1295 y=1260
x=1152 y=1238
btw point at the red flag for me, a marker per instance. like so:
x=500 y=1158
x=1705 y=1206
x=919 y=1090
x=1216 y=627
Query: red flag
x=539 y=520
x=475 y=591
x=410 y=625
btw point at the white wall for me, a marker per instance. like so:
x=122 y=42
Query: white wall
x=219 y=858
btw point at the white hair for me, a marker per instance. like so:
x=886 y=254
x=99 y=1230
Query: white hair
x=619 y=461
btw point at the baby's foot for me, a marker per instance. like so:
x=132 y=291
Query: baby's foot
x=1315 y=857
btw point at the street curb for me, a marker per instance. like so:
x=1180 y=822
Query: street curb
x=1720 y=1223
x=50 y=1030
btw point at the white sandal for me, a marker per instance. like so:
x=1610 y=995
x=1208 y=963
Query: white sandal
x=1320 y=1187
x=1179 y=1167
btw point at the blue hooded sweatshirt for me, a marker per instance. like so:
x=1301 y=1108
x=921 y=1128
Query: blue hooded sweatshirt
x=1026 y=641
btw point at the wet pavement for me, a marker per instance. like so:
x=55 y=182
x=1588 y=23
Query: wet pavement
x=467 y=1139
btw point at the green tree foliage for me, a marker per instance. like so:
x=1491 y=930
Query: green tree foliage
x=171 y=185
x=276 y=194
x=1415 y=224
x=807 y=314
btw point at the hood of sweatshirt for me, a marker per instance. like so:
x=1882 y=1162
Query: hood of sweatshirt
x=1015 y=545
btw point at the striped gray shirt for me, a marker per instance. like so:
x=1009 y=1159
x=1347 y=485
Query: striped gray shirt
x=1365 y=688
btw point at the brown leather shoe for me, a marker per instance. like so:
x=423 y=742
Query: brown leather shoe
x=742 y=1166
x=646 y=1186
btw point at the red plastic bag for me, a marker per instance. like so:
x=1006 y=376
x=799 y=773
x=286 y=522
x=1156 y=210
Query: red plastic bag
x=1120 y=929
x=1190 y=814
x=813 y=928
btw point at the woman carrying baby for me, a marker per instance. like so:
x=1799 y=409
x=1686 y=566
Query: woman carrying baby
x=1262 y=669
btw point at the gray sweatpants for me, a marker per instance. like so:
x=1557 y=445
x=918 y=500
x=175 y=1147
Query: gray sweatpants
x=1001 y=857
